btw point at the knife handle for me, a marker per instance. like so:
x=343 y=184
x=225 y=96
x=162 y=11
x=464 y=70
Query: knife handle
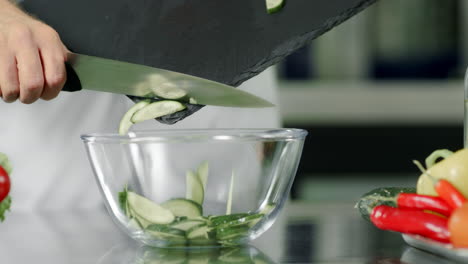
x=73 y=83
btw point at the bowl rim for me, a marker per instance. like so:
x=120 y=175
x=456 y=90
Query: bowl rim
x=197 y=135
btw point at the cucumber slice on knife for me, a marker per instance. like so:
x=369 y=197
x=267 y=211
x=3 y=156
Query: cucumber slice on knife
x=168 y=91
x=194 y=188
x=183 y=207
x=126 y=121
x=149 y=210
x=157 y=109
x=274 y=6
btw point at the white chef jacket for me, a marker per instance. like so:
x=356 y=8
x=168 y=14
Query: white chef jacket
x=50 y=168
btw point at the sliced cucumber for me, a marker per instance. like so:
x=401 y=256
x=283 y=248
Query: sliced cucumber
x=231 y=190
x=133 y=223
x=183 y=207
x=149 y=210
x=194 y=188
x=199 y=232
x=126 y=121
x=172 y=238
x=274 y=6
x=223 y=219
x=248 y=221
x=268 y=209
x=140 y=220
x=229 y=233
x=157 y=109
x=202 y=242
x=169 y=92
x=166 y=230
x=188 y=224
x=202 y=172
x=123 y=202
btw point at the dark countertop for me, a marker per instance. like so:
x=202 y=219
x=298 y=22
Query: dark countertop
x=305 y=233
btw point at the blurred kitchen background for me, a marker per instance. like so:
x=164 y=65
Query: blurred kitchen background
x=376 y=92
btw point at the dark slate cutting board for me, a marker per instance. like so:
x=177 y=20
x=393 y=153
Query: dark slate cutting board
x=223 y=40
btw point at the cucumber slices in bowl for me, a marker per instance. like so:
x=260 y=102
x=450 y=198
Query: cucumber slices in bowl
x=180 y=221
x=183 y=207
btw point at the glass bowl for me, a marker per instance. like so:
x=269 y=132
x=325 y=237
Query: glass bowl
x=195 y=188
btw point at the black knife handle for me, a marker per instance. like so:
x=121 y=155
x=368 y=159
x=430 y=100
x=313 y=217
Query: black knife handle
x=73 y=83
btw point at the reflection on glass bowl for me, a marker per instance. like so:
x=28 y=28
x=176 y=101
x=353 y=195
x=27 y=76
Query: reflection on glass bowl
x=128 y=254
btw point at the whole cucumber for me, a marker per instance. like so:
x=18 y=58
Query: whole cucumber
x=380 y=196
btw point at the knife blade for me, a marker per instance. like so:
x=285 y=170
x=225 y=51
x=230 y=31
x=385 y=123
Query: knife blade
x=105 y=75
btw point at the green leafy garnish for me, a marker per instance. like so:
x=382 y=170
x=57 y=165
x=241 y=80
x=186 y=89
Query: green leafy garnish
x=123 y=199
x=4 y=206
x=5 y=163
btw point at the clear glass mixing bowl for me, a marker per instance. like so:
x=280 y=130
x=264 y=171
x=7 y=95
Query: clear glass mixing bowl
x=228 y=185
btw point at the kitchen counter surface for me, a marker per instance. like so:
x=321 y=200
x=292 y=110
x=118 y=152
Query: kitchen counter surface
x=305 y=233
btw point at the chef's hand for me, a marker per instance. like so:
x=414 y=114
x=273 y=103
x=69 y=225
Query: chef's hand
x=32 y=57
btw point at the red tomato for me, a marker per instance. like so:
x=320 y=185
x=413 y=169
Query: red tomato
x=4 y=184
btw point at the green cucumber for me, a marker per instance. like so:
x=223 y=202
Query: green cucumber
x=123 y=202
x=199 y=232
x=380 y=196
x=157 y=109
x=167 y=230
x=233 y=232
x=133 y=223
x=5 y=163
x=223 y=219
x=188 y=224
x=248 y=221
x=202 y=172
x=202 y=242
x=164 y=232
x=169 y=92
x=274 y=6
x=126 y=121
x=268 y=209
x=149 y=210
x=183 y=207
x=194 y=188
x=143 y=223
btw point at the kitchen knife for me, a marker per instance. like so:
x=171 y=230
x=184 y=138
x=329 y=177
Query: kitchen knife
x=105 y=75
